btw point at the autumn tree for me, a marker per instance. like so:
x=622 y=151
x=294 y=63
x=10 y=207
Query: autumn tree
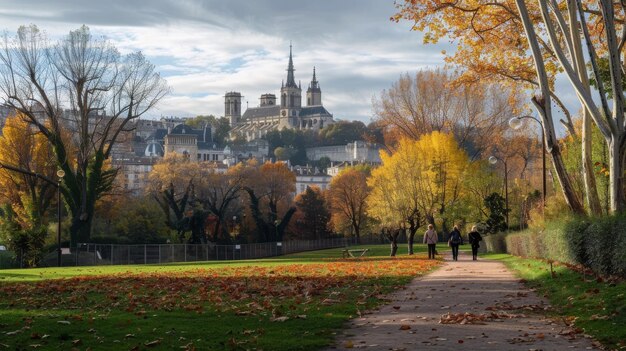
x=26 y=195
x=270 y=188
x=83 y=85
x=532 y=42
x=347 y=195
x=171 y=185
x=421 y=180
x=431 y=101
x=314 y=214
x=218 y=194
x=23 y=147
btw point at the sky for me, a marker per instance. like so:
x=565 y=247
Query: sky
x=205 y=48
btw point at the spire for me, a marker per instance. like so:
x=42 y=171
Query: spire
x=314 y=83
x=291 y=81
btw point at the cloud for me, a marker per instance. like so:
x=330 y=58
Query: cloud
x=206 y=48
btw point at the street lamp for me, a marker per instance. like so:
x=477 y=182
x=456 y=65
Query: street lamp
x=60 y=175
x=493 y=160
x=517 y=123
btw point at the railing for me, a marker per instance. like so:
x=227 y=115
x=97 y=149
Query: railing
x=113 y=254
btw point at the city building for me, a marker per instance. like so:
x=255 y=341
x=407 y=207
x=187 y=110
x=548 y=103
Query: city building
x=358 y=151
x=256 y=122
x=307 y=176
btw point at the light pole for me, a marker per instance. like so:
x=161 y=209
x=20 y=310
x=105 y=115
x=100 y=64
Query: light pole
x=493 y=160
x=60 y=175
x=516 y=123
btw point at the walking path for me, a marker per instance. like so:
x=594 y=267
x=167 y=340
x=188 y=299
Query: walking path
x=479 y=300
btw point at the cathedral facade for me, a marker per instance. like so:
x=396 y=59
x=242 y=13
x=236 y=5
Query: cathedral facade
x=255 y=122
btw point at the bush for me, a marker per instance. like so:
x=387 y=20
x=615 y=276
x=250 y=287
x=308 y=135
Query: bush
x=599 y=244
x=495 y=243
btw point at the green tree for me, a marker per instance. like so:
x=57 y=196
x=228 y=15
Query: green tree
x=220 y=126
x=315 y=215
x=141 y=222
x=497 y=212
x=343 y=132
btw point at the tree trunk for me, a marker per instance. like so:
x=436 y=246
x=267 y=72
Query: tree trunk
x=616 y=150
x=411 y=240
x=591 y=190
x=543 y=105
x=569 y=193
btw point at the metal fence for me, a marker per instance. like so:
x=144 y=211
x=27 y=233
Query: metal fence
x=113 y=254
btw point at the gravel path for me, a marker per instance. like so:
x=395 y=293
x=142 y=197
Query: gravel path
x=479 y=300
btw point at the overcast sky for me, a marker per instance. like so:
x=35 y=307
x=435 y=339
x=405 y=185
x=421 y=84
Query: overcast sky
x=205 y=48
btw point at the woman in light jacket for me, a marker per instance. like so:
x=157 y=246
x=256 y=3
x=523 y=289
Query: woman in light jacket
x=430 y=238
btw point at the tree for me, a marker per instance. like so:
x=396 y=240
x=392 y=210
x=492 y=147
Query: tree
x=497 y=212
x=217 y=194
x=284 y=153
x=532 y=43
x=26 y=195
x=171 y=185
x=221 y=126
x=24 y=148
x=103 y=93
x=431 y=101
x=420 y=180
x=343 y=132
x=347 y=195
x=270 y=188
x=315 y=216
x=140 y=222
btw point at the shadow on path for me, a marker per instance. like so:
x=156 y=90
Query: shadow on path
x=486 y=305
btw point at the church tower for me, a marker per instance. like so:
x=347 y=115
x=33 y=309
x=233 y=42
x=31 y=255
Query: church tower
x=232 y=107
x=290 y=98
x=314 y=93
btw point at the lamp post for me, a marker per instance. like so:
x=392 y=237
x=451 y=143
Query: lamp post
x=493 y=160
x=516 y=123
x=60 y=175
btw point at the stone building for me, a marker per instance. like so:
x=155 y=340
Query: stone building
x=255 y=122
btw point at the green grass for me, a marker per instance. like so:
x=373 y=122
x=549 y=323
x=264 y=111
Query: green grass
x=599 y=307
x=203 y=305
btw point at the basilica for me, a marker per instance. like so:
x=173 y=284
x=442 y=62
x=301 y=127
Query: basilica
x=255 y=122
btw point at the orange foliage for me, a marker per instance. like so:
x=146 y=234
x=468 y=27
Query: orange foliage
x=248 y=290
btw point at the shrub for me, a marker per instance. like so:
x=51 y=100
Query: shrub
x=599 y=244
x=495 y=242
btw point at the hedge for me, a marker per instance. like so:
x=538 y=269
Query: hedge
x=599 y=243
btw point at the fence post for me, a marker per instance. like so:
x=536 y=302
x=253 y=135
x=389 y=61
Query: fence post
x=159 y=253
x=145 y=254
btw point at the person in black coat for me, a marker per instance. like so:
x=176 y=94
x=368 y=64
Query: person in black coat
x=455 y=240
x=474 y=239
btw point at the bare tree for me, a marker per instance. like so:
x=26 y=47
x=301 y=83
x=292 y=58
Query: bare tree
x=101 y=91
x=431 y=101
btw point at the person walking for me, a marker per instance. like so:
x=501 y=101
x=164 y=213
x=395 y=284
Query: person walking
x=474 y=239
x=430 y=238
x=455 y=240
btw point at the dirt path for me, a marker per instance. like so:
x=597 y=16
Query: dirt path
x=477 y=297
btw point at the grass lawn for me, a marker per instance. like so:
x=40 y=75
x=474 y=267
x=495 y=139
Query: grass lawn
x=596 y=306
x=294 y=302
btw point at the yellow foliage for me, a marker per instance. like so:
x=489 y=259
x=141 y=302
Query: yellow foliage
x=24 y=148
x=423 y=175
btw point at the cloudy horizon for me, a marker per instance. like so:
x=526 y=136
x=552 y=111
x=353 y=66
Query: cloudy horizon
x=206 y=48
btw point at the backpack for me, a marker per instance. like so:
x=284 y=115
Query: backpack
x=455 y=237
